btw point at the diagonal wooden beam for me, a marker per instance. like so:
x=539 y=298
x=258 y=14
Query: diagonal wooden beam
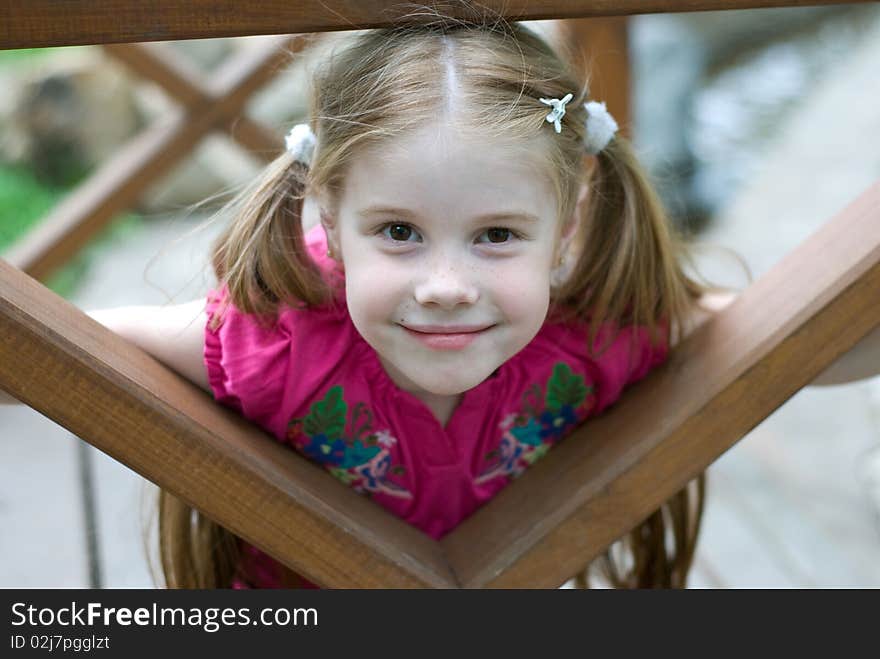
x=733 y=372
x=718 y=384
x=590 y=490
x=157 y=63
x=40 y=23
x=121 y=180
x=79 y=374
x=239 y=77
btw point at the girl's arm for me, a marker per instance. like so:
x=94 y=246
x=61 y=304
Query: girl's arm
x=861 y=361
x=174 y=335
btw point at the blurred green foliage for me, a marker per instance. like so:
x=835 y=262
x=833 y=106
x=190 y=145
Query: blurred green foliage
x=24 y=201
x=27 y=55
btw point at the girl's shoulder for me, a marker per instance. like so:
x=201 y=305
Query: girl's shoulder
x=612 y=341
x=252 y=360
x=617 y=357
x=289 y=318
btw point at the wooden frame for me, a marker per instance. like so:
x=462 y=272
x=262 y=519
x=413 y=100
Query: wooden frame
x=40 y=23
x=722 y=381
x=121 y=180
x=608 y=475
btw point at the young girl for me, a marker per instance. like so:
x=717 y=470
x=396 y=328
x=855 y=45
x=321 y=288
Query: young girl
x=491 y=268
x=456 y=312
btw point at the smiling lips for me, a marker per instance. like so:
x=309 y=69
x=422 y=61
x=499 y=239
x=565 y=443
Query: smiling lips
x=446 y=338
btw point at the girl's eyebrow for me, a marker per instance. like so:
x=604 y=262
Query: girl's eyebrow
x=487 y=217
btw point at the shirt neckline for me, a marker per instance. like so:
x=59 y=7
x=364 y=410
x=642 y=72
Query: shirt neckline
x=483 y=391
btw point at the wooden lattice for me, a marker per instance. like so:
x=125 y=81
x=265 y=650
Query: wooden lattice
x=722 y=381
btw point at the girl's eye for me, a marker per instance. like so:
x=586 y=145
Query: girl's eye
x=499 y=235
x=400 y=233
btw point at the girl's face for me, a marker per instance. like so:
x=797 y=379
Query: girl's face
x=439 y=235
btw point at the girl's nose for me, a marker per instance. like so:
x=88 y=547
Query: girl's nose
x=446 y=286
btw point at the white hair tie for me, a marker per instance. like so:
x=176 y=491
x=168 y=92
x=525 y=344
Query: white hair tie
x=300 y=143
x=600 y=127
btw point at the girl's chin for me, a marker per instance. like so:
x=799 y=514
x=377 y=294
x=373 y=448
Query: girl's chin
x=412 y=377
x=446 y=387
x=441 y=391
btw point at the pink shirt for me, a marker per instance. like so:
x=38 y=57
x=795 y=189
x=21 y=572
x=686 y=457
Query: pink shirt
x=317 y=386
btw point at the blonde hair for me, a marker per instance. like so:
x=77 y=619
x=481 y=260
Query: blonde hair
x=485 y=76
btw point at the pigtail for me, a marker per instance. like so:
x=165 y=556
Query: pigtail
x=659 y=552
x=194 y=551
x=261 y=256
x=627 y=270
x=628 y=273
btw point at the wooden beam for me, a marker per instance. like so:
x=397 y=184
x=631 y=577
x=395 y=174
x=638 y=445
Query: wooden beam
x=41 y=23
x=158 y=64
x=599 y=48
x=121 y=180
x=81 y=375
x=733 y=372
x=114 y=187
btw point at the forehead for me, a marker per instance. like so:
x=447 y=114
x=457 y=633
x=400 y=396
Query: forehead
x=437 y=170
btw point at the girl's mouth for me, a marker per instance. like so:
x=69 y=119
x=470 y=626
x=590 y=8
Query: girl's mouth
x=446 y=340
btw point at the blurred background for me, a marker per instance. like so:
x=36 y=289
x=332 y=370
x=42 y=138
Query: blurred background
x=757 y=126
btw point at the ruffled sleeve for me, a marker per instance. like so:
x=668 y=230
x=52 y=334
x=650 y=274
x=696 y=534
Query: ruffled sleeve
x=264 y=371
x=247 y=363
x=630 y=356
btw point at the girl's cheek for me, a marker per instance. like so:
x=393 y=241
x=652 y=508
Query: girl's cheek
x=374 y=263
x=525 y=294
x=528 y=279
x=374 y=290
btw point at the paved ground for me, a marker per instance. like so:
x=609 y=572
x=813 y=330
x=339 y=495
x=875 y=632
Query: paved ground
x=795 y=504
x=44 y=495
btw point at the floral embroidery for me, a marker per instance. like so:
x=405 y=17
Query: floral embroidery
x=360 y=458
x=545 y=417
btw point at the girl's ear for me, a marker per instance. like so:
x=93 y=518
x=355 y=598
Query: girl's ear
x=569 y=227
x=331 y=229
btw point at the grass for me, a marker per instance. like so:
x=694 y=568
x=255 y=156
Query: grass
x=13 y=56
x=24 y=201
x=26 y=55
